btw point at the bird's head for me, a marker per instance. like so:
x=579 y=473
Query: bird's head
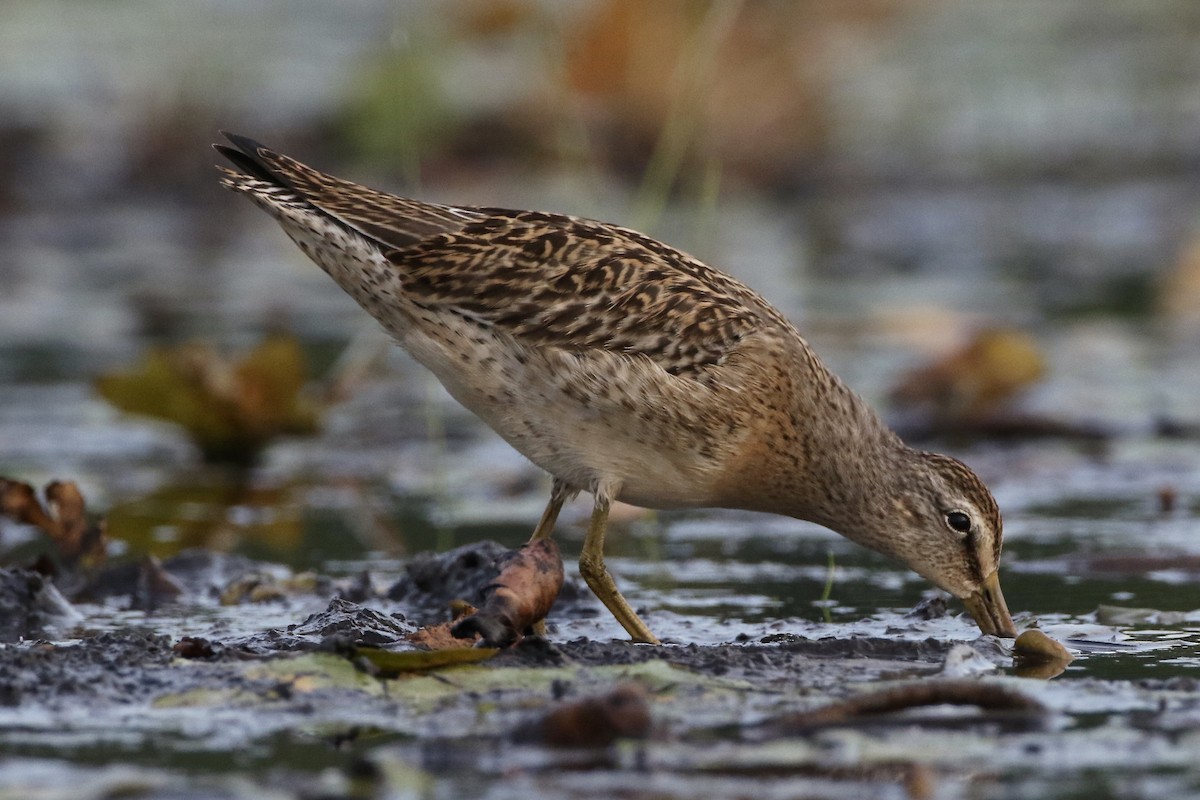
x=945 y=525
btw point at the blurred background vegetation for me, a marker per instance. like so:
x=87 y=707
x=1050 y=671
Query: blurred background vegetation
x=897 y=175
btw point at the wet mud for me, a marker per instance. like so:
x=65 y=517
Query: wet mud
x=107 y=669
x=30 y=605
x=789 y=666
x=432 y=581
x=245 y=655
x=129 y=666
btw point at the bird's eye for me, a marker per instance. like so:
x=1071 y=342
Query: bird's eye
x=959 y=521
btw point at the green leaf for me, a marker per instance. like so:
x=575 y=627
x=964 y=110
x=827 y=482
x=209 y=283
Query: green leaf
x=390 y=662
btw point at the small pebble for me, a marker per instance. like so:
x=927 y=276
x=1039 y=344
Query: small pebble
x=1035 y=646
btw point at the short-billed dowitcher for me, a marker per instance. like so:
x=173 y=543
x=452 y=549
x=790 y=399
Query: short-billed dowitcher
x=630 y=370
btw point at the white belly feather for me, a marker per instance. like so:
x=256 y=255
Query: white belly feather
x=564 y=413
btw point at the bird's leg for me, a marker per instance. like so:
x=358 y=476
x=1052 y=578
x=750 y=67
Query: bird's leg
x=591 y=567
x=559 y=492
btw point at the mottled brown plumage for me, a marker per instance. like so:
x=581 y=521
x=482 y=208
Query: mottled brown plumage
x=633 y=371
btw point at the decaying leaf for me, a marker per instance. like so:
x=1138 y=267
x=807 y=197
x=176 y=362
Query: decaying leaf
x=439 y=637
x=19 y=503
x=261 y=587
x=230 y=408
x=194 y=647
x=389 y=663
x=522 y=595
x=65 y=521
x=975 y=380
x=623 y=713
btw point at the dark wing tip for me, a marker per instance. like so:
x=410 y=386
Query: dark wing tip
x=244 y=143
x=245 y=156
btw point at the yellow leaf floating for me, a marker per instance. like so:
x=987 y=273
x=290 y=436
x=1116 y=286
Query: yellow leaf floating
x=976 y=380
x=270 y=379
x=230 y=409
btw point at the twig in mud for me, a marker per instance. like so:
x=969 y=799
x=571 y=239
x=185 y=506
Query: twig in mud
x=986 y=696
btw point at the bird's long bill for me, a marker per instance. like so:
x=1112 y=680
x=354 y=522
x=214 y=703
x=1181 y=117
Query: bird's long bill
x=988 y=608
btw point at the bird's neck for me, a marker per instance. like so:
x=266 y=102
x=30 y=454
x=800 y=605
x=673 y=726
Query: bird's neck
x=825 y=456
x=858 y=492
x=854 y=462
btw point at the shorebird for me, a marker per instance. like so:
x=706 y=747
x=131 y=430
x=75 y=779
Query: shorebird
x=630 y=370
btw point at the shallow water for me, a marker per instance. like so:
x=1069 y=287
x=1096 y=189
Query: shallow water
x=951 y=202
x=402 y=470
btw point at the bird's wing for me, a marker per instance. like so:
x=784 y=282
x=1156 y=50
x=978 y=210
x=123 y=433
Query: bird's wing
x=545 y=279
x=554 y=280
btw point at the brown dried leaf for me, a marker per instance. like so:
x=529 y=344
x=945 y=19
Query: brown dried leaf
x=752 y=94
x=65 y=523
x=76 y=539
x=191 y=647
x=18 y=502
x=439 y=637
x=594 y=721
x=522 y=595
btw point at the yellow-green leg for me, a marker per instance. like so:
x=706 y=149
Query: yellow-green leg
x=558 y=493
x=591 y=567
